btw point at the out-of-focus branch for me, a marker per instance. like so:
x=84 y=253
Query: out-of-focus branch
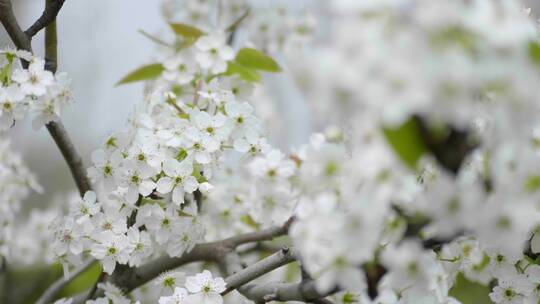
x=262 y=235
x=47 y=17
x=49 y=294
x=277 y=291
x=231 y=29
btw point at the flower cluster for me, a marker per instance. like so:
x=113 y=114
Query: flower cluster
x=30 y=90
x=16 y=181
x=153 y=176
x=200 y=288
x=273 y=27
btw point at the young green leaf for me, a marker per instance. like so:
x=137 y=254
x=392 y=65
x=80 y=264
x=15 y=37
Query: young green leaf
x=406 y=142
x=186 y=31
x=256 y=59
x=246 y=73
x=146 y=72
x=534 y=52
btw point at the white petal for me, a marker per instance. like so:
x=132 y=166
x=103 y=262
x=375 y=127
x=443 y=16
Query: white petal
x=164 y=185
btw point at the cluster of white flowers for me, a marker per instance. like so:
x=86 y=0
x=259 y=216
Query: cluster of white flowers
x=150 y=176
x=200 y=288
x=461 y=66
x=30 y=90
x=272 y=27
x=16 y=181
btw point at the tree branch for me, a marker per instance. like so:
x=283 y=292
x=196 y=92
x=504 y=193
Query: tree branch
x=305 y=291
x=22 y=41
x=56 y=128
x=128 y=279
x=48 y=16
x=19 y=38
x=277 y=291
x=52 y=291
x=262 y=235
x=239 y=278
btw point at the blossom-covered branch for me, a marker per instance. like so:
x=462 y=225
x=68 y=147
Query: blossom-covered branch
x=23 y=41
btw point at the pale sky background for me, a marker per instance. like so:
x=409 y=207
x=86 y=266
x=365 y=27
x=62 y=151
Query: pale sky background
x=98 y=44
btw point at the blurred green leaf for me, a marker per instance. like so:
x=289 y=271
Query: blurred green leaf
x=26 y=284
x=468 y=292
x=248 y=220
x=256 y=59
x=146 y=72
x=81 y=283
x=534 y=52
x=406 y=142
x=186 y=31
x=246 y=73
x=5 y=71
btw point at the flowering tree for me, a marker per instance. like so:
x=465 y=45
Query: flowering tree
x=423 y=186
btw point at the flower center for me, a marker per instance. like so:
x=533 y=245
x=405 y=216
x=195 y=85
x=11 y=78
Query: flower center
x=135 y=179
x=107 y=170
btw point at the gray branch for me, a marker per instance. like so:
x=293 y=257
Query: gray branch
x=277 y=291
x=304 y=291
x=49 y=15
x=8 y=20
x=264 y=266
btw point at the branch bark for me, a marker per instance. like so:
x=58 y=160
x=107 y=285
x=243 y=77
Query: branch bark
x=48 y=16
x=277 y=291
x=7 y=17
x=304 y=291
x=264 y=266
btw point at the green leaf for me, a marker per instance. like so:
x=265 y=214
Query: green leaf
x=5 y=71
x=81 y=283
x=197 y=173
x=246 y=73
x=406 y=142
x=146 y=72
x=534 y=52
x=248 y=220
x=186 y=31
x=256 y=59
x=532 y=184
x=468 y=292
